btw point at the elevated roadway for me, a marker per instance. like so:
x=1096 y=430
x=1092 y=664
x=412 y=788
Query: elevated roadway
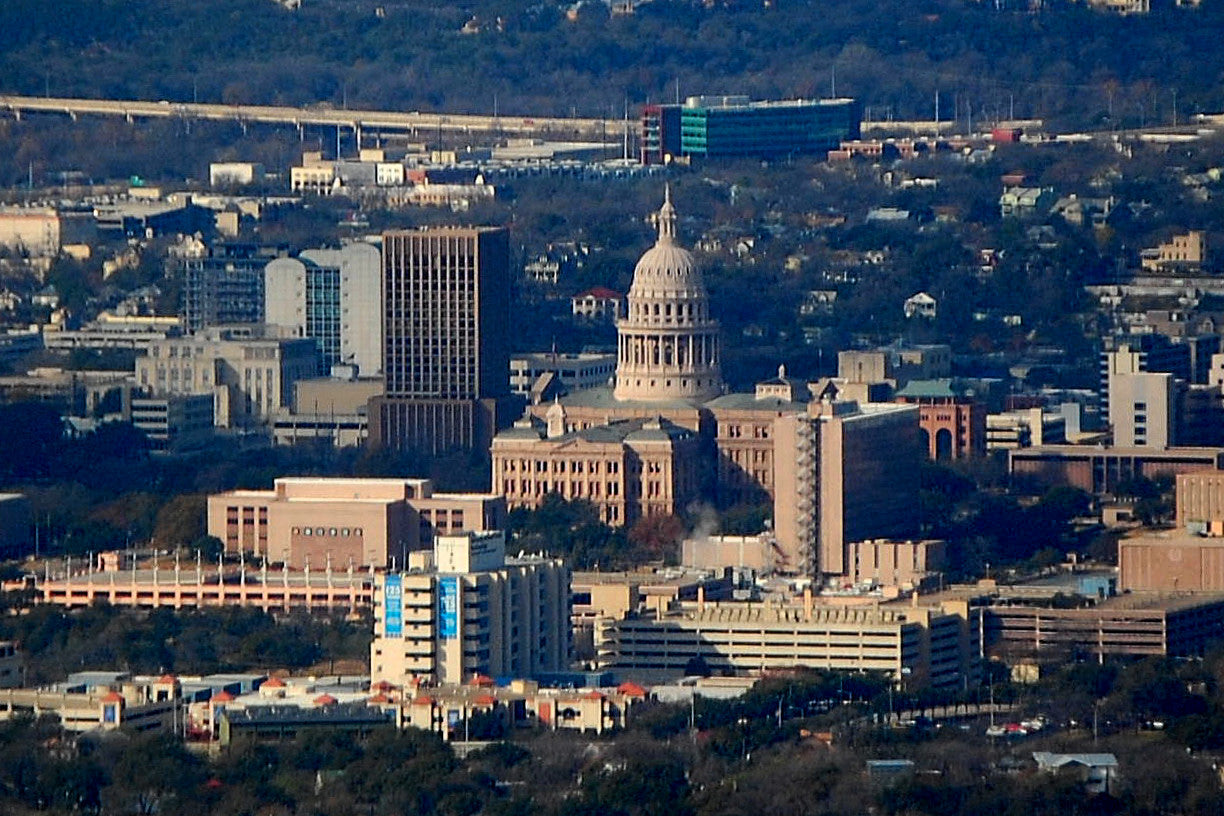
x=409 y=122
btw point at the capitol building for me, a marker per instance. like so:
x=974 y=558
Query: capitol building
x=666 y=434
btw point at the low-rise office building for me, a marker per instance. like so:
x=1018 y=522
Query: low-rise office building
x=1171 y=561
x=101 y=701
x=1100 y=469
x=173 y=423
x=448 y=710
x=726 y=126
x=575 y=372
x=365 y=522
x=1025 y=428
x=333 y=409
x=249 y=371
x=1200 y=501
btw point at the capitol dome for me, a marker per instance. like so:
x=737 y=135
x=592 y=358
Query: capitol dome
x=667 y=267
x=667 y=345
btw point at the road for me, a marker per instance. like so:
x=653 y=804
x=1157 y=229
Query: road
x=411 y=122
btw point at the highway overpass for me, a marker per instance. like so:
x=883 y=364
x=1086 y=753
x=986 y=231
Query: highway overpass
x=358 y=121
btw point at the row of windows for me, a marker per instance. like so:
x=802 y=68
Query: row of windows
x=558 y=466
x=576 y=489
x=737 y=431
x=528 y=488
x=342 y=532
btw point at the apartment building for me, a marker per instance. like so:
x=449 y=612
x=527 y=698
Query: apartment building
x=466 y=610
x=334 y=297
x=226 y=285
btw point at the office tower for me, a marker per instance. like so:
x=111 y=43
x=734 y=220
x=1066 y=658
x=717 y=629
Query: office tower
x=333 y=296
x=446 y=336
x=844 y=473
x=226 y=287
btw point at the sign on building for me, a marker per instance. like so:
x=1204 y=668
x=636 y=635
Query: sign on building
x=393 y=599
x=448 y=607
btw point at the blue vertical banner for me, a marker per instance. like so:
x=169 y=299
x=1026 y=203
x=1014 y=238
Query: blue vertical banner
x=393 y=606
x=448 y=607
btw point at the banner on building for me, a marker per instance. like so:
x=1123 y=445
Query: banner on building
x=448 y=607
x=393 y=603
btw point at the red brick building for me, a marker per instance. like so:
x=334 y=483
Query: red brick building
x=953 y=423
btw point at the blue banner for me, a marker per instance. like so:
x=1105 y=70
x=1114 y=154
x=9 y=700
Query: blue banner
x=393 y=606
x=448 y=607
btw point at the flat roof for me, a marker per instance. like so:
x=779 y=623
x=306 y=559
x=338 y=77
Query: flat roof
x=351 y=480
x=187 y=576
x=1004 y=596
x=1096 y=450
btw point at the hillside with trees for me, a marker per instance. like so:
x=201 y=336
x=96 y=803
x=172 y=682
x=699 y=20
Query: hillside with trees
x=1062 y=61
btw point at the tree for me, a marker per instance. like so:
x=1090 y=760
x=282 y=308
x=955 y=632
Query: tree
x=658 y=537
x=181 y=521
x=31 y=437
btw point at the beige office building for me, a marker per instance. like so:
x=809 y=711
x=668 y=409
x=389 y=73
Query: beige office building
x=892 y=563
x=363 y=522
x=250 y=371
x=1171 y=561
x=844 y=473
x=29 y=230
x=895 y=365
x=465 y=610
x=1200 y=499
x=1143 y=409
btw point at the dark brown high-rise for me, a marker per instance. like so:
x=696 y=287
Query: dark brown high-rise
x=446 y=314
